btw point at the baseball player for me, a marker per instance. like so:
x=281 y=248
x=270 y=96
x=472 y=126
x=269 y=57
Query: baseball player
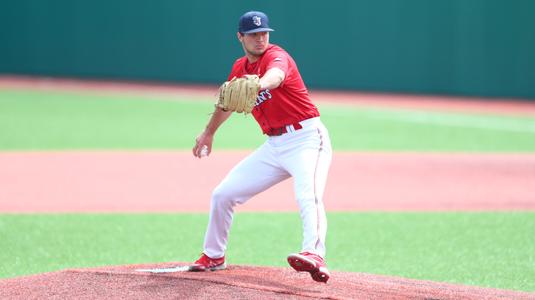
x=266 y=82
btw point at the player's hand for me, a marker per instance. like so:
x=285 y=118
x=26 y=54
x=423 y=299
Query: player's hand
x=203 y=145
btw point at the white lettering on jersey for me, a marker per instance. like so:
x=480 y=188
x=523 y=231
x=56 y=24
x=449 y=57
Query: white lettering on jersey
x=263 y=96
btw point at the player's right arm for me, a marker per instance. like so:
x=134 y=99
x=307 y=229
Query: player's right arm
x=272 y=79
x=207 y=136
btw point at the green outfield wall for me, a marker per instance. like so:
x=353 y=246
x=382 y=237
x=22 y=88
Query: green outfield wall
x=453 y=47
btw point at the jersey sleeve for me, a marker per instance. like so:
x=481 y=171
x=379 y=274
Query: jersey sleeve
x=278 y=59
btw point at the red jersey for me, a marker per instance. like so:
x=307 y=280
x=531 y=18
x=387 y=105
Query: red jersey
x=285 y=105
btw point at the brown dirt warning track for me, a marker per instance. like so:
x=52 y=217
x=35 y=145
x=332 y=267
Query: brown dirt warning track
x=173 y=181
x=176 y=181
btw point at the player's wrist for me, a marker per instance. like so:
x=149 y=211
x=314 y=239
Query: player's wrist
x=209 y=132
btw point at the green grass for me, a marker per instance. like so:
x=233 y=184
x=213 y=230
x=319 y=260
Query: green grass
x=31 y=120
x=482 y=249
x=411 y=130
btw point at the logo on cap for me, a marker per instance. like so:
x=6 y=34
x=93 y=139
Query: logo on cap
x=257 y=20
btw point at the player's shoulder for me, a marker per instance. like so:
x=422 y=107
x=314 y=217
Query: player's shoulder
x=275 y=52
x=240 y=61
x=275 y=49
x=238 y=66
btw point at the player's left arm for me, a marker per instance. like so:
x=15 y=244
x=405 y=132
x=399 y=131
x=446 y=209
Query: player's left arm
x=272 y=79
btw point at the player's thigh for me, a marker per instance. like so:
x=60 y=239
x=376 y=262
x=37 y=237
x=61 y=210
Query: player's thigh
x=254 y=174
x=309 y=166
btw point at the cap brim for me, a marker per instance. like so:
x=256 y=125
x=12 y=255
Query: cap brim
x=258 y=30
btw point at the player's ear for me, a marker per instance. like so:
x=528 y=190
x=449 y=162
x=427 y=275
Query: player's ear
x=240 y=36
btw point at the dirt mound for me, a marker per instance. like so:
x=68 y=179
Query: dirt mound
x=242 y=282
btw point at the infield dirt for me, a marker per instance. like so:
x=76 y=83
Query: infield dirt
x=237 y=282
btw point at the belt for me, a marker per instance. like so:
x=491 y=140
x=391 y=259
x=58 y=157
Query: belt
x=284 y=129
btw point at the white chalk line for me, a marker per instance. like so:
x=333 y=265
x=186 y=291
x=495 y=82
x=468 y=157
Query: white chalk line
x=166 y=270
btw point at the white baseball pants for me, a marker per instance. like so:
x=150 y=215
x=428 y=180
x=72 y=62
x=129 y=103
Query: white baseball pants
x=303 y=154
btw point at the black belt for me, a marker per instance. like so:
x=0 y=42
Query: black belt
x=283 y=130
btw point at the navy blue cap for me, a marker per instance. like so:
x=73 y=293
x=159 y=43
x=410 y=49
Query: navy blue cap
x=254 y=21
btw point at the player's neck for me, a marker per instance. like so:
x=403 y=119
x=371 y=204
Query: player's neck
x=251 y=58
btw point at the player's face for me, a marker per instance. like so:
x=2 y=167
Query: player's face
x=254 y=44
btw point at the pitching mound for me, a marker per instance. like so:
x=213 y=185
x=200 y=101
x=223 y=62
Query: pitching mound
x=242 y=282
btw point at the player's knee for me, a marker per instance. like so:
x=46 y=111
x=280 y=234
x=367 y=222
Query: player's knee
x=307 y=198
x=307 y=203
x=222 y=197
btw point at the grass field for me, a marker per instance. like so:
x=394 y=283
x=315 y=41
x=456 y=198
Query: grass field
x=483 y=249
x=32 y=120
x=486 y=249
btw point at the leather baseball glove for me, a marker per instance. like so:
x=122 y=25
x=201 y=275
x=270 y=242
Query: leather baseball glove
x=239 y=94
